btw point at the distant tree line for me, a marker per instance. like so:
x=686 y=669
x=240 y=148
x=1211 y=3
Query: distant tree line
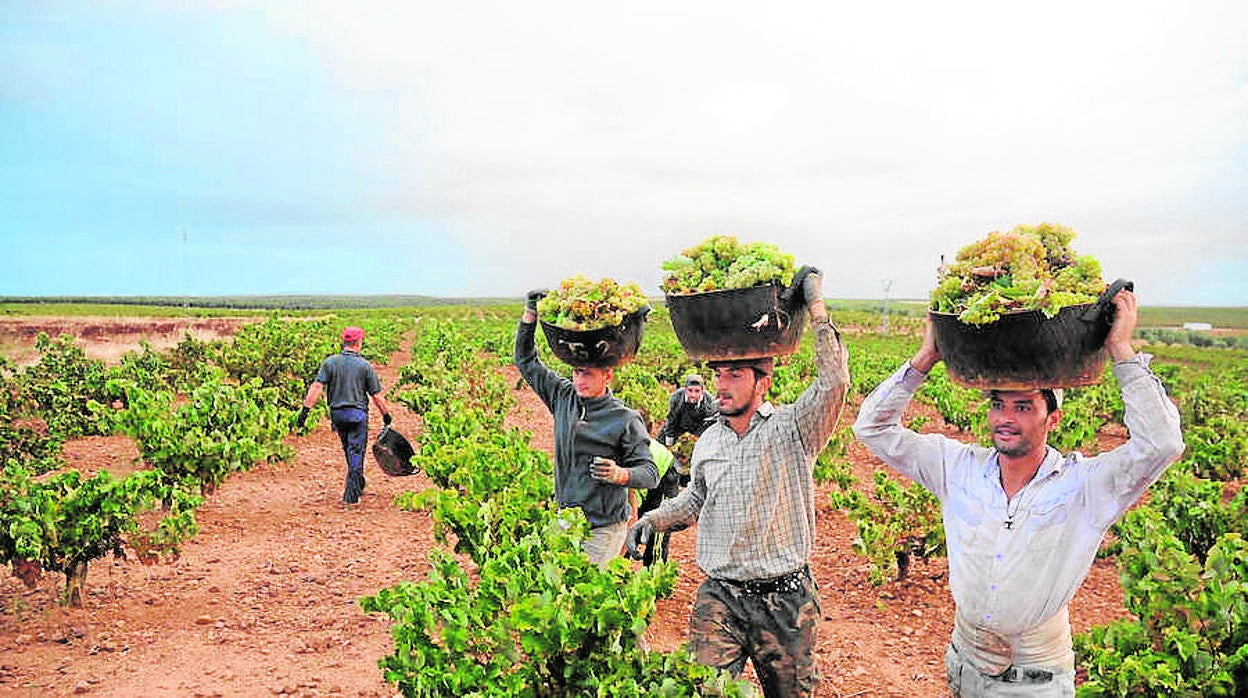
x=1195 y=338
x=284 y=302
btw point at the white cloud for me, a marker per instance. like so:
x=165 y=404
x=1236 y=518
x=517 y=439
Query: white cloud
x=561 y=137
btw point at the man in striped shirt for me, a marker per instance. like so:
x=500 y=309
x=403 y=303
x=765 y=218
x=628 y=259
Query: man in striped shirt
x=752 y=495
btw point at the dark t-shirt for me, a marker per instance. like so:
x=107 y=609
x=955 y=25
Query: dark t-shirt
x=349 y=380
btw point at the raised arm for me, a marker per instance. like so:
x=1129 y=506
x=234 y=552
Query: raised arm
x=1152 y=420
x=920 y=457
x=819 y=406
x=928 y=354
x=542 y=379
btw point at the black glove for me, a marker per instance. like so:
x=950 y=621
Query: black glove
x=386 y=419
x=799 y=282
x=797 y=286
x=530 y=301
x=640 y=534
x=302 y=418
x=669 y=484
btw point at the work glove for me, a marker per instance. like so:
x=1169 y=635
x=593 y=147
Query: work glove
x=810 y=280
x=530 y=301
x=302 y=418
x=641 y=533
x=606 y=470
x=669 y=484
x=386 y=419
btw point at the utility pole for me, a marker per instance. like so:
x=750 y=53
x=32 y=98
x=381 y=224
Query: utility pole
x=888 y=285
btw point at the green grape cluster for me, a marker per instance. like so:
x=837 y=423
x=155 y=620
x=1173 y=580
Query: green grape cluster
x=1030 y=267
x=581 y=304
x=721 y=262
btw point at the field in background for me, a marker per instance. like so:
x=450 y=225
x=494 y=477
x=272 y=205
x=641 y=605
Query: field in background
x=1230 y=318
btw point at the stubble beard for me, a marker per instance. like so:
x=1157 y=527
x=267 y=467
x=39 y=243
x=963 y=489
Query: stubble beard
x=1022 y=448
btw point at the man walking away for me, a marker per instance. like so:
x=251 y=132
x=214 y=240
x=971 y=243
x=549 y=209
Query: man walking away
x=349 y=382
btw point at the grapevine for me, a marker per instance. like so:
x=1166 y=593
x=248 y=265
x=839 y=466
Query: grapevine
x=1030 y=267
x=581 y=304
x=721 y=262
x=536 y=617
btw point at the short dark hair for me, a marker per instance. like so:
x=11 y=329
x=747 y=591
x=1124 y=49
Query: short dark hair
x=1050 y=399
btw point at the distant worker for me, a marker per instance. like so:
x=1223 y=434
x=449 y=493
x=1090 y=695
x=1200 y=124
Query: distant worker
x=601 y=446
x=1022 y=521
x=690 y=410
x=349 y=382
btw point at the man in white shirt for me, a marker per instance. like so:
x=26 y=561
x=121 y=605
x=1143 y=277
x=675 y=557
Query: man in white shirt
x=1022 y=521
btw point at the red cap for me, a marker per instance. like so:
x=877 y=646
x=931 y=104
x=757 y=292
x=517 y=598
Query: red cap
x=352 y=334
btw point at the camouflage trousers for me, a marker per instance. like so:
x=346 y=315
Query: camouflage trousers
x=775 y=630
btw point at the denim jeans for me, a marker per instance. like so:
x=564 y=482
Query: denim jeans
x=351 y=423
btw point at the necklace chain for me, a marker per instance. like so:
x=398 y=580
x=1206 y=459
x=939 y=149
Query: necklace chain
x=1017 y=500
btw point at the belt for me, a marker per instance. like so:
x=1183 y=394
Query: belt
x=771 y=585
x=1018 y=675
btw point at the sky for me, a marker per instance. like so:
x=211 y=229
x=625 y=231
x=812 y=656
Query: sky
x=482 y=149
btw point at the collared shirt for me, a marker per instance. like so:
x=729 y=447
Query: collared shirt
x=753 y=495
x=349 y=380
x=1013 y=564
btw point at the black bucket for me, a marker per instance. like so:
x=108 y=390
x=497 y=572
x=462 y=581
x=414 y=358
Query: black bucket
x=1025 y=349
x=393 y=453
x=743 y=323
x=601 y=348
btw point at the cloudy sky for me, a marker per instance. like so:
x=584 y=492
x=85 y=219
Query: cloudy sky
x=485 y=148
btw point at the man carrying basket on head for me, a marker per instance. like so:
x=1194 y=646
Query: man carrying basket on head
x=752 y=494
x=1023 y=522
x=601 y=446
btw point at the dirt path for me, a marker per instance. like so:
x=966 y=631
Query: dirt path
x=264 y=600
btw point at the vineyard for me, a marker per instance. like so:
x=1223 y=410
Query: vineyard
x=168 y=532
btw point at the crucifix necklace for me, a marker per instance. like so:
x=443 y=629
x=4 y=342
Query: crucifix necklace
x=1010 y=512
